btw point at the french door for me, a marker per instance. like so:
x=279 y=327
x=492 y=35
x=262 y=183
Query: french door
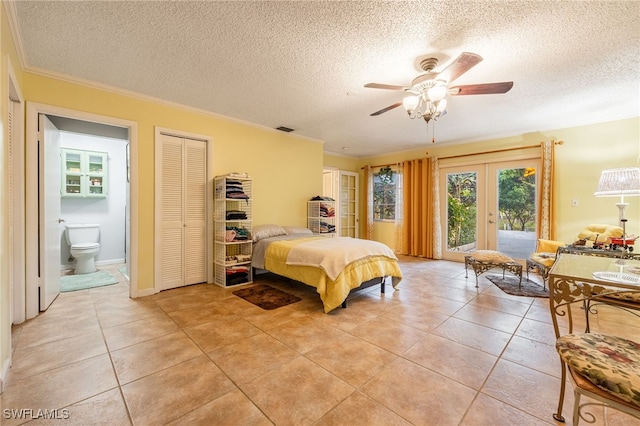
x=489 y=206
x=342 y=186
x=348 y=204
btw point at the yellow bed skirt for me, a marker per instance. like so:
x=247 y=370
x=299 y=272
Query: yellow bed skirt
x=332 y=293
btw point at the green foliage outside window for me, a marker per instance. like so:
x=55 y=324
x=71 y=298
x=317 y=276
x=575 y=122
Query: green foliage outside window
x=384 y=194
x=517 y=195
x=517 y=204
x=461 y=205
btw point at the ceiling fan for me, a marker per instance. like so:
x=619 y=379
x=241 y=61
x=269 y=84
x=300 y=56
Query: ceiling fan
x=428 y=91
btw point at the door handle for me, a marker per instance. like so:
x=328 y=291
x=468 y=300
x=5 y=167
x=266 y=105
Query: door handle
x=492 y=221
x=61 y=220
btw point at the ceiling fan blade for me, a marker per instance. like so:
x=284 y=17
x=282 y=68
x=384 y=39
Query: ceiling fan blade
x=481 y=89
x=459 y=66
x=384 y=86
x=383 y=110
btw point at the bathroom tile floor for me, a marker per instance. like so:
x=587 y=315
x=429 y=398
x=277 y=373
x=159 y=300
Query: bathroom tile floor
x=436 y=352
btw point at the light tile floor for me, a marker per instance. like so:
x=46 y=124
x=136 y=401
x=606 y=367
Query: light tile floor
x=436 y=352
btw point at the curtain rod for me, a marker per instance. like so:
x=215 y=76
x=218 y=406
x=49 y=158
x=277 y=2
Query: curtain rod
x=468 y=155
x=495 y=151
x=383 y=165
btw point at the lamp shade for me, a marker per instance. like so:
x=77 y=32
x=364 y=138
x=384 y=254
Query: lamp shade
x=619 y=182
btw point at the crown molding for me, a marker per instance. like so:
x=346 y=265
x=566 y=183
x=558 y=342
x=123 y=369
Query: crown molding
x=152 y=99
x=14 y=28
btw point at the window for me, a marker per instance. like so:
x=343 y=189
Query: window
x=384 y=194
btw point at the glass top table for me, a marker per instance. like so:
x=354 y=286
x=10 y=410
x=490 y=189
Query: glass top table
x=598 y=270
x=579 y=285
x=586 y=281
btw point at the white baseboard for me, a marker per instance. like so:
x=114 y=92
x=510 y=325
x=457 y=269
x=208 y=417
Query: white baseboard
x=69 y=266
x=146 y=292
x=109 y=262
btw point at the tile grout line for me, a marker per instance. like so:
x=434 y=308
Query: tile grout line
x=113 y=367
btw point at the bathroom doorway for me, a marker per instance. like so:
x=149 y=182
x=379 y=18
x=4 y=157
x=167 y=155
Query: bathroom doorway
x=42 y=281
x=93 y=191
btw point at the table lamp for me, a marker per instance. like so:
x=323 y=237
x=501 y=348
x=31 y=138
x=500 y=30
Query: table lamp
x=619 y=182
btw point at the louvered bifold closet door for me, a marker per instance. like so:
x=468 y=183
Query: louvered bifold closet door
x=172 y=221
x=183 y=238
x=195 y=211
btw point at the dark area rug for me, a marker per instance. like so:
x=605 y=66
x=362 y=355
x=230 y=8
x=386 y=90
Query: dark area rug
x=266 y=297
x=510 y=286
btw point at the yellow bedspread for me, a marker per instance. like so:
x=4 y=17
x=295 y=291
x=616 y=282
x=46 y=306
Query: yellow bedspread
x=332 y=292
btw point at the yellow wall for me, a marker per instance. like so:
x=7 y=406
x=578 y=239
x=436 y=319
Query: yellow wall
x=5 y=312
x=9 y=58
x=349 y=164
x=586 y=151
x=287 y=170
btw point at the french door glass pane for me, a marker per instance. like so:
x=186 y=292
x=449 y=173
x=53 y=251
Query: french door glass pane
x=348 y=207
x=462 y=209
x=517 y=211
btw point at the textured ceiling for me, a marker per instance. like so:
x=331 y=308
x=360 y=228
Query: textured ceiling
x=303 y=65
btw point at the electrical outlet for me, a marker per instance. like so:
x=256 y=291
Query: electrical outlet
x=574 y=203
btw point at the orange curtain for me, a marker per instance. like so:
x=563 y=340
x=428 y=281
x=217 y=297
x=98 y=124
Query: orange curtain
x=419 y=206
x=546 y=209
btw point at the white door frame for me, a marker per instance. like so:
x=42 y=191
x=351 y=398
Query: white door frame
x=331 y=187
x=482 y=167
x=17 y=280
x=481 y=201
x=493 y=197
x=356 y=206
x=32 y=236
x=209 y=206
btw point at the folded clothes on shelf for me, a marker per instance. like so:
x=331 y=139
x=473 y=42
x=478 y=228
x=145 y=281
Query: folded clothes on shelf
x=241 y=234
x=236 y=214
x=321 y=198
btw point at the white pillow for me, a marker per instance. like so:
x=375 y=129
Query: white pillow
x=297 y=230
x=265 y=231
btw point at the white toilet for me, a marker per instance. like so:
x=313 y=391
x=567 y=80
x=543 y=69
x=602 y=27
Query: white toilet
x=84 y=246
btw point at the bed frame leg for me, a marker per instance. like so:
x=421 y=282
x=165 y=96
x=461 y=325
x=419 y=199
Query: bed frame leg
x=382 y=285
x=344 y=304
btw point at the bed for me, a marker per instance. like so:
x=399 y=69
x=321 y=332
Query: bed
x=334 y=266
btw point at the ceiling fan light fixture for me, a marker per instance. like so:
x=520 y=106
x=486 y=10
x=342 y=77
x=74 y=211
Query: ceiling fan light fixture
x=438 y=91
x=420 y=106
x=433 y=110
x=429 y=90
x=410 y=103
